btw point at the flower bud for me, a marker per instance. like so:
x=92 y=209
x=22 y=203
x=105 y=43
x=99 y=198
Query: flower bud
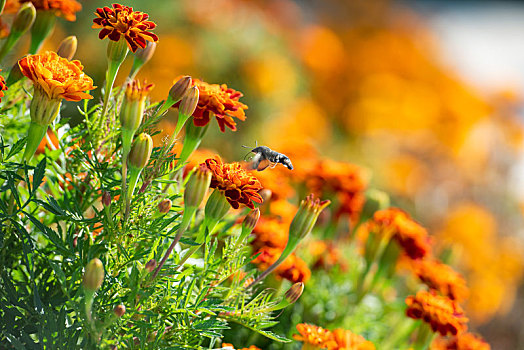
x=251 y=219
x=294 y=292
x=142 y=56
x=217 y=206
x=197 y=186
x=179 y=89
x=42 y=27
x=266 y=194
x=141 y=151
x=106 y=199
x=93 y=275
x=133 y=105
x=306 y=216
x=116 y=50
x=24 y=19
x=67 y=47
x=150 y=265
x=119 y=310
x=164 y=206
x=189 y=102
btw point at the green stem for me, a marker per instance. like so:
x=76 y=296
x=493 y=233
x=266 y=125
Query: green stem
x=35 y=135
x=187 y=255
x=184 y=224
x=134 y=174
x=8 y=45
x=41 y=28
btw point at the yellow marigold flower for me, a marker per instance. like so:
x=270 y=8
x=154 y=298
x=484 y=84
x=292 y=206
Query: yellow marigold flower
x=3 y=86
x=230 y=346
x=463 y=341
x=315 y=336
x=62 y=8
x=57 y=76
x=220 y=101
x=410 y=235
x=441 y=313
x=123 y=21
x=347 y=340
x=238 y=186
x=441 y=277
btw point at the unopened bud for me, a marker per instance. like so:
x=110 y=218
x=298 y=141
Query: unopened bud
x=164 y=206
x=133 y=105
x=179 y=89
x=93 y=275
x=67 y=47
x=106 y=199
x=189 y=102
x=24 y=19
x=251 y=219
x=145 y=54
x=119 y=310
x=294 y=292
x=141 y=151
x=266 y=194
x=306 y=216
x=197 y=186
x=117 y=50
x=151 y=265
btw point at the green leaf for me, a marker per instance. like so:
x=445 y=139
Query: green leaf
x=188 y=241
x=17 y=147
x=38 y=176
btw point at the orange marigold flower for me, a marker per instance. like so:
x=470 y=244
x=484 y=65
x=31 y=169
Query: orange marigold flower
x=57 y=76
x=441 y=277
x=62 y=8
x=347 y=340
x=220 y=101
x=123 y=21
x=463 y=341
x=238 y=186
x=3 y=86
x=326 y=255
x=443 y=314
x=410 y=235
x=230 y=346
x=315 y=336
x=270 y=232
x=293 y=269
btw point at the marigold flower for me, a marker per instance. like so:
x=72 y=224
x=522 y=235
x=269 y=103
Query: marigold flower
x=441 y=313
x=220 y=101
x=270 y=232
x=293 y=268
x=347 y=340
x=463 y=341
x=123 y=21
x=316 y=336
x=441 y=277
x=410 y=235
x=3 y=86
x=237 y=185
x=326 y=255
x=57 y=76
x=62 y=8
x=230 y=346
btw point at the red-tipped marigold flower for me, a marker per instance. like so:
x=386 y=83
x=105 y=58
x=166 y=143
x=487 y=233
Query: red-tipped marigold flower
x=315 y=336
x=123 y=21
x=441 y=313
x=3 y=86
x=441 y=277
x=220 y=101
x=410 y=235
x=61 y=8
x=237 y=185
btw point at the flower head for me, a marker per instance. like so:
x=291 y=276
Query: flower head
x=463 y=341
x=123 y=21
x=3 y=86
x=293 y=268
x=315 y=336
x=347 y=340
x=230 y=346
x=237 y=185
x=441 y=277
x=58 y=77
x=443 y=314
x=220 y=101
x=62 y=8
x=410 y=235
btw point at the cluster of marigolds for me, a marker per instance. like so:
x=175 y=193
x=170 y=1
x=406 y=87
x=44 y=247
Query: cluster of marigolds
x=390 y=240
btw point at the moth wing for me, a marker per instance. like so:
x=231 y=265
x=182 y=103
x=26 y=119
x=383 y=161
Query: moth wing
x=264 y=163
